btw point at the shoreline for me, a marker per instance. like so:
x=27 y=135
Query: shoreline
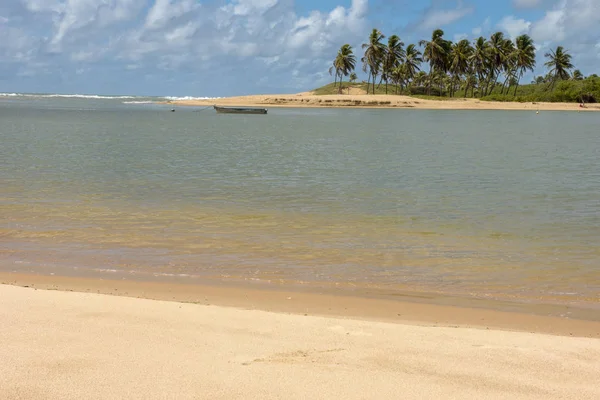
x=309 y=100
x=412 y=308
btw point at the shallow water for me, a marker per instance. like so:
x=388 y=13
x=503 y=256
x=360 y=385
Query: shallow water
x=493 y=204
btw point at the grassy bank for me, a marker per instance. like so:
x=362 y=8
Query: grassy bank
x=570 y=91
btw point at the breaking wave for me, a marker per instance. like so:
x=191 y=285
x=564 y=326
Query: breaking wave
x=174 y=98
x=77 y=96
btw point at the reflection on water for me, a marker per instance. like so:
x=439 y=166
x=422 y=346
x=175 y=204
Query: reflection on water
x=487 y=204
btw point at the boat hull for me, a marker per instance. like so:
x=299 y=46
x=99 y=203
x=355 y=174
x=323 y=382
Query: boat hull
x=240 y=110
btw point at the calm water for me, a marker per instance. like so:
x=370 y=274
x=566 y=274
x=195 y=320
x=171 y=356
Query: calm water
x=478 y=203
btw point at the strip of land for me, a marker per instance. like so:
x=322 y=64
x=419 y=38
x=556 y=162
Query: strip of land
x=62 y=345
x=309 y=99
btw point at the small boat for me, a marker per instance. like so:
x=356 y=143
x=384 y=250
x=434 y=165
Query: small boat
x=240 y=110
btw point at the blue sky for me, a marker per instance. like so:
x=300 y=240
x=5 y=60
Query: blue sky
x=232 y=47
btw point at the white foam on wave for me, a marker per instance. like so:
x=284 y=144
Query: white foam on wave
x=175 y=98
x=76 y=96
x=139 y=102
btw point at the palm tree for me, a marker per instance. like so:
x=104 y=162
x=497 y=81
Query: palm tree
x=509 y=66
x=421 y=78
x=435 y=52
x=374 y=55
x=460 y=55
x=398 y=76
x=344 y=63
x=577 y=75
x=480 y=60
x=394 y=54
x=412 y=61
x=538 y=80
x=353 y=77
x=524 y=57
x=334 y=68
x=497 y=59
x=559 y=62
x=470 y=81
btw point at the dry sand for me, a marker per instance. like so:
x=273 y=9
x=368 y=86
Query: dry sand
x=307 y=99
x=61 y=345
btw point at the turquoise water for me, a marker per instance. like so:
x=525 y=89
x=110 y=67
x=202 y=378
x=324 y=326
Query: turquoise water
x=480 y=203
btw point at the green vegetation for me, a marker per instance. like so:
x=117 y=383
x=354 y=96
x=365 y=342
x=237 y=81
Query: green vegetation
x=581 y=91
x=490 y=69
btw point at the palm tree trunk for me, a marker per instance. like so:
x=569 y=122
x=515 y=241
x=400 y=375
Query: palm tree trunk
x=374 y=80
x=517 y=86
x=429 y=80
x=504 y=84
x=491 y=78
x=368 y=82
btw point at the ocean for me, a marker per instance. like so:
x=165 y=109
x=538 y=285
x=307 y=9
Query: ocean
x=500 y=205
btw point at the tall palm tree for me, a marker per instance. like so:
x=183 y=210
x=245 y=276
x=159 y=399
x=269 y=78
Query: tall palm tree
x=344 y=63
x=412 y=61
x=394 y=55
x=460 y=55
x=509 y=67
x=435 y=51
x=480 y=60
x=559 y=62
x=497 y=59
x=524 y=57
x=374 y=55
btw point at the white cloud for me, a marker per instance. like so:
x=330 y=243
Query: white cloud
x=165 y=11
x=550 y=27
x=513 y=26
x=44 y=5
x=435 y=17
x=71 y=17
x=526 y=3
x=573 y=20
x=574 y=25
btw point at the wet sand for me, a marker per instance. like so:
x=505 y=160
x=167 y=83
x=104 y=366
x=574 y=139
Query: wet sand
x=415 y=308
x=60 y=345
x=308 y=99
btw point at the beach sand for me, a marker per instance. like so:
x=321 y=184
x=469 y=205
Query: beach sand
x=307 y=99
x=72 y=345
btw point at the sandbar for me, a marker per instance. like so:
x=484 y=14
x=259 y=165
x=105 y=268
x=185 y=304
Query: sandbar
x=308 y=99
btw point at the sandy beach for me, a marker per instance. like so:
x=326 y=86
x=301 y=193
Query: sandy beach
x=357 y=100
x=71 y=345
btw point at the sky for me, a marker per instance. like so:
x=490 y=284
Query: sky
x=235 y=47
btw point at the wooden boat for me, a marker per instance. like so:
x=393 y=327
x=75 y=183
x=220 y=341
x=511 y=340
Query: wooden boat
x=240 y=110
